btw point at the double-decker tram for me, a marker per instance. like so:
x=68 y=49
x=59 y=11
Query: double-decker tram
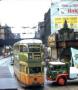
x=28 y=58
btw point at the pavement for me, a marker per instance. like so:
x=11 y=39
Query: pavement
x=7 y=79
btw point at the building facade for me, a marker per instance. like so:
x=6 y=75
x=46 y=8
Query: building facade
x=41 y=31
x=6 y=36
x=59 y=12
x=47 y=26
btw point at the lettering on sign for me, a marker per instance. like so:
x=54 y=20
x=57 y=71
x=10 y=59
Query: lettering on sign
x=73 y=11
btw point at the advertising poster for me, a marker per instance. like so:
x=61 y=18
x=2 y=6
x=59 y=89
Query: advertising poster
x=67 y=10
x=72 y=22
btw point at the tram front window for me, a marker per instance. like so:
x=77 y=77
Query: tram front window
x=33 y=70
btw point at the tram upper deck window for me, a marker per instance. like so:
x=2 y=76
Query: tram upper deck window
x=16 y=48
x=35 y=70
x=34 y=49
x=23 y=48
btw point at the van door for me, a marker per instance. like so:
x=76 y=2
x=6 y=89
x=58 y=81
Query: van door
x=73 y=73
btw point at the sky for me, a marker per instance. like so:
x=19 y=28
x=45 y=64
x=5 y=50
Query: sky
x=18 y=13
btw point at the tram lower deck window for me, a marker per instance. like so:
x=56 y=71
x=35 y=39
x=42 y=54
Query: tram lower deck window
x=34 y=70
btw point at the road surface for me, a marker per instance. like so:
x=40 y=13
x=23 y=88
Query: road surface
x=8 y=80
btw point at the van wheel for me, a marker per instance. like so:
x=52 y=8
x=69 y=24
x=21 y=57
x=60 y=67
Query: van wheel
x=61 y=81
